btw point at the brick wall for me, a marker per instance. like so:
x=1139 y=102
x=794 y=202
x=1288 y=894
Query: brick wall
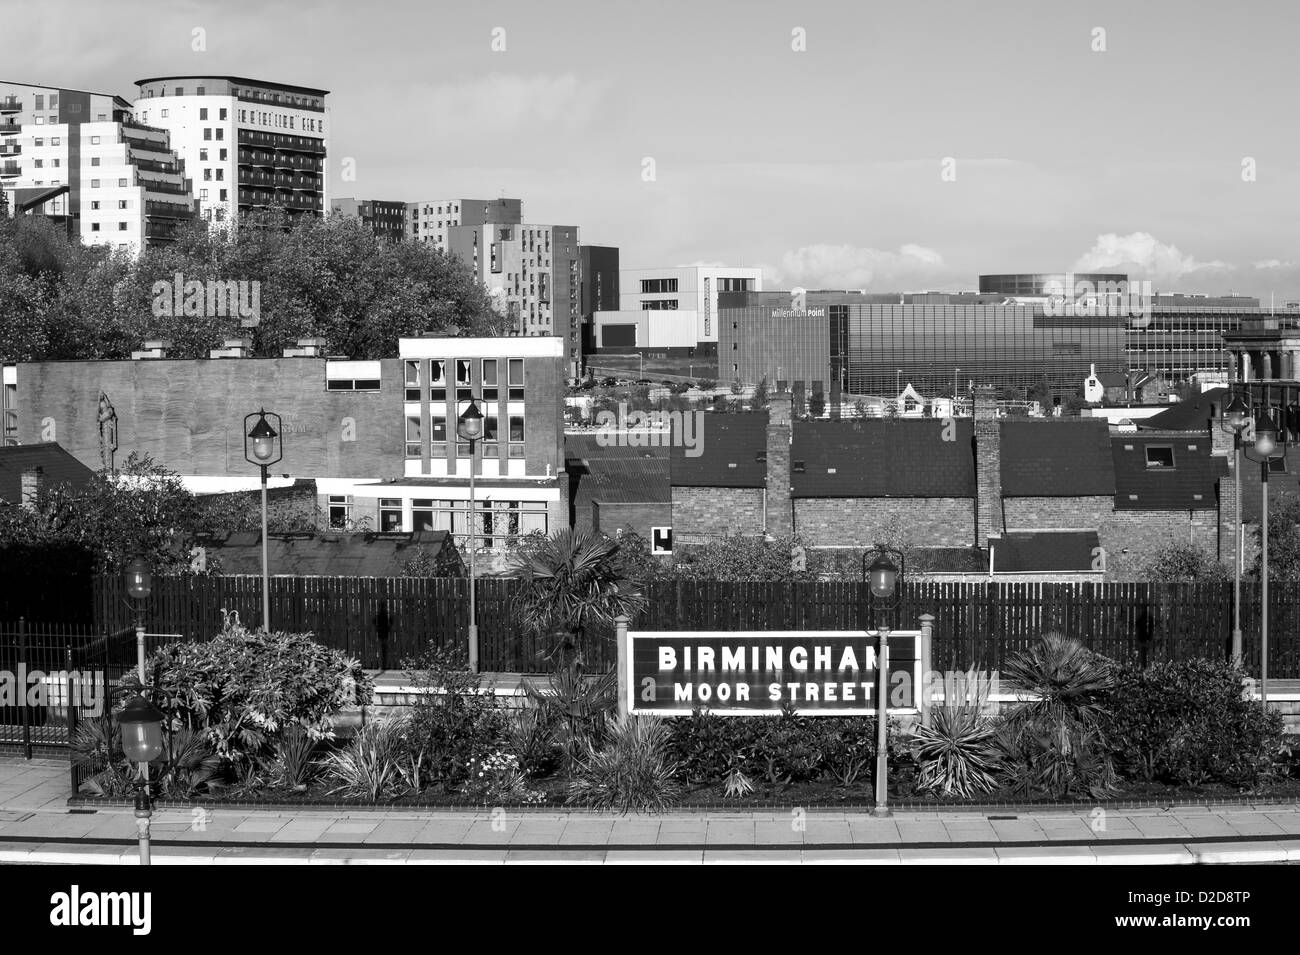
x=1061 y=513
x=607 y=517
x=1144 y=533
x=843 y=522
x=703 y=513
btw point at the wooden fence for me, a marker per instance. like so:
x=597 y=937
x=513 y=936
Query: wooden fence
x=975 y=624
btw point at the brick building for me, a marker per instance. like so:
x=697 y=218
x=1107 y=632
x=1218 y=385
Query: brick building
x=377 y=437
x=1047 y=498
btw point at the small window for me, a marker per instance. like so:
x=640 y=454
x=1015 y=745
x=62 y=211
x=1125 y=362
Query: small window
x=412 y=381
x=390 y=514
x=1276 y=466
x=413 y=436
x=798 y=467
x=1160 y=456
x=340 y=511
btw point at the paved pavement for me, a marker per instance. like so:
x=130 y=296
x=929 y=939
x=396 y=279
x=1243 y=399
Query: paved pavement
x=37 y=825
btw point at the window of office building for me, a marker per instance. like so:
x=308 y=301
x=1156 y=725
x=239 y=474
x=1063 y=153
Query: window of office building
x=660 y=305
x=412 y=381
x=437 y=380
x=490 y=390
x=390 y=514
x=657 y=286
x=438 y=435
x=413 y=442
x=516 y=379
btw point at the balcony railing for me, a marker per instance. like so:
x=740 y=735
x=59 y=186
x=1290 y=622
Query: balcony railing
x=11 y=149
x=154 y=185
x=10 y=104
x=10 y=128
x=11 y=169
x=301 y=144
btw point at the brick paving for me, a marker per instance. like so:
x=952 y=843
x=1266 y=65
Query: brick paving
x=37 y=825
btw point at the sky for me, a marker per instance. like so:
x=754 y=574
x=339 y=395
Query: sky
x=902 y=146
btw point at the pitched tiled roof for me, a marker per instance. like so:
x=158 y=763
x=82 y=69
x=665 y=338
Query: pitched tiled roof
x=1191 y=415
x=1024 y=552
x=883 y=458
x=1057 y=458
x=58 y=465
x=322 y=555
x=615 y=474
x=1191 y=484
x=731 y=446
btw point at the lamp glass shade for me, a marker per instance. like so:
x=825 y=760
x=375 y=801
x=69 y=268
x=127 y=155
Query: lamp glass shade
x=1266 y=436
x=470 y=424
x=139 y=579
x=141 y=723
x=263 y=448
x=882 y=576
x=1237 y=413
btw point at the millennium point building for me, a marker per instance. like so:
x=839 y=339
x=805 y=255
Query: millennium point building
x=860 y=345
x=248 y=144
x=80 y=159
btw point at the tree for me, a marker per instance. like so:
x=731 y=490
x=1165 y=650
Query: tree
x=328 y=278
x=1183 y=562
x=141 y=510
x=744 y=558
x=573 y=581
x=1283 y=538
x=759 y=401
x=816 y=404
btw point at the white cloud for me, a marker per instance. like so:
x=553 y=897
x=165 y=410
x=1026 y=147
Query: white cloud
x=1274 y=264
x=856 y=267
x=1142 y=255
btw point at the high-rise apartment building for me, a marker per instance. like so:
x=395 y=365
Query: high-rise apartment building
x=598 y=271
x=79 y=158
x=248 y=144
x=431 y=220
x=386 y=218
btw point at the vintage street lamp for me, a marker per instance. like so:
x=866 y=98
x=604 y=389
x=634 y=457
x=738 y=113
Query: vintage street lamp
x=1270 y=445
x=142 y=743
x=470 y=427
x=882 y=577
x=1235 y=417
x=264 y=446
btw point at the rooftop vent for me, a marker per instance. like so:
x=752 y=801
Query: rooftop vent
x=157 y=348
x=233 y=348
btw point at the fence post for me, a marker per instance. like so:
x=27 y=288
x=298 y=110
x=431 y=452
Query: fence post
x=25 y=716
x=72 y=717
x=624 y=663
x=927 y=668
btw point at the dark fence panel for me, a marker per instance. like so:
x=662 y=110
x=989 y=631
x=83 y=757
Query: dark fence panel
x=976 y=624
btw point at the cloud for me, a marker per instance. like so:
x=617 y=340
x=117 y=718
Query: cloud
x=1274 y=264
x=856 y=267
x=1142 y=255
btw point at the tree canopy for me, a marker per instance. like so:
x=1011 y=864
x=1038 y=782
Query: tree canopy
x=330 y=278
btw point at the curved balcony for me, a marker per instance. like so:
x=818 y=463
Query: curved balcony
x=10 y=104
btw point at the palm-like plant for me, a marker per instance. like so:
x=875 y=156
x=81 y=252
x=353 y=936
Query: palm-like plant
x=573 y=581
x=958 y=754
x=1054 y=739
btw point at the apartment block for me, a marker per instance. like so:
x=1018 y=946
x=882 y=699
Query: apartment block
x=249 y=144
x=387 y=218
x=80 y=159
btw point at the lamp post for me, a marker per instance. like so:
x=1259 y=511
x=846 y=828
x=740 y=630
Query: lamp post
x=470 y=427
x=1270 y=445
x=1235 y=417
x=881 y=578
x=139 y=585
x=141 y=724
x=264 y=446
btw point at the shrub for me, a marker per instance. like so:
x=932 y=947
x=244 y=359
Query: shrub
x=368 y=767
x=190 y=764
x=632 y=772
x=454 y=720
x=1188 y=722
x=497 y=777
x=706 y=747
x=958 y=754
x=244 y=689
x=574 y=710
x=1053 y=742
x=292 y=766
x=97 y=745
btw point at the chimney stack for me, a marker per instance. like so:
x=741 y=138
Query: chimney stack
x=233 y=348
x=988 y=466
x=32 y=480
x=152 y=349
x=306 y=348
x=780 y=518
